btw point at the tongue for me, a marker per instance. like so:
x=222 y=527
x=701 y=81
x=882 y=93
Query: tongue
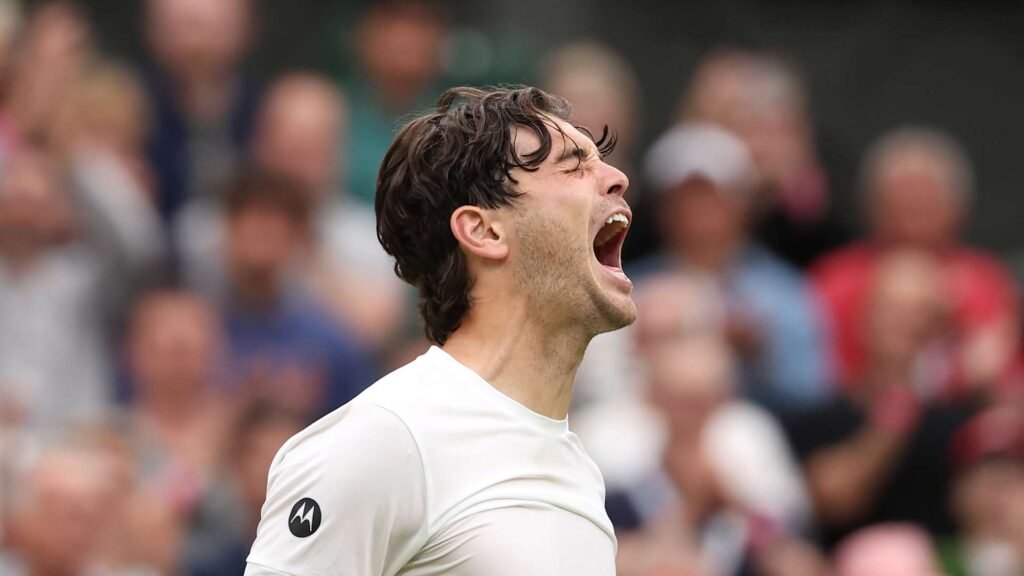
x=607 y=253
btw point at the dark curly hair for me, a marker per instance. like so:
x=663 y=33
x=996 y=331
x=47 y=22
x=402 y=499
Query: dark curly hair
x=461 y=153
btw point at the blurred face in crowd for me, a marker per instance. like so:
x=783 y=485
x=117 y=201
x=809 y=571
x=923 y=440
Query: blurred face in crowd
x=299 y=130
x=674 y=306
x=400 y=49
x=761 y=100
x=33 y=208
x=689 y=380
x=61 y=504
x=719 y=90
x=906 y=308
x=57 y=42
x=914 y=201
x=199 y=39
x=262 y=242
x=703 y=221
x=174 y=347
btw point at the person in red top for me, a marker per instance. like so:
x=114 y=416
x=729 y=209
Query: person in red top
x=918 y=185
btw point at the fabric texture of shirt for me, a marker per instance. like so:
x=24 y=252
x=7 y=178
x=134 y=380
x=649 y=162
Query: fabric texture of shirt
x=433 y=471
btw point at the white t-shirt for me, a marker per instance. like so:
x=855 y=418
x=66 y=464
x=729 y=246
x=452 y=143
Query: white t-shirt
x=433 y=471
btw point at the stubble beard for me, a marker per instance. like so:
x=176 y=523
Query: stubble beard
x=556 y=276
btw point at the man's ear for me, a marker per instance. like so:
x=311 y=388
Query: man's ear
x=480 y=232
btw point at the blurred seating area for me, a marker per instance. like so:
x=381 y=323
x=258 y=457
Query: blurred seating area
x=190 y=274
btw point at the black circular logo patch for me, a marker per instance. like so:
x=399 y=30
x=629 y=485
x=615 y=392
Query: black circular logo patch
x=305 y=518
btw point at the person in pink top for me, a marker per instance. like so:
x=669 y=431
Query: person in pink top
x=918 y=186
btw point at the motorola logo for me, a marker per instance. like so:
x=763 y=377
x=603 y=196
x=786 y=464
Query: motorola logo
x=305 y=518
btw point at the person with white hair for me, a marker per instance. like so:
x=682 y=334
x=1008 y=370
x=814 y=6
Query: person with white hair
x=705 y=176
x=53 y=507
x=917 y=186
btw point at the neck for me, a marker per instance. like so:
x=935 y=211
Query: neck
x=533 y=363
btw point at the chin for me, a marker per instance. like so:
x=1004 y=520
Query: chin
x=615 y=311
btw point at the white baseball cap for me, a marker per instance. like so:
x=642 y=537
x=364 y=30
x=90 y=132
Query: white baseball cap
x=700 y=150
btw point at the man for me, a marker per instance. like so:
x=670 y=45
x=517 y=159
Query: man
x=764 y=100
x=508 y=222
x=203 y=102
x=69 y=258
x=283 y=344
x=918 y=185
x=705 y=177
x=398 y=54
x=298 y=134
x=881 y=450
x=55 y=511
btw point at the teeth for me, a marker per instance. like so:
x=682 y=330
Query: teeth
x=620 y=217
x=608 y=232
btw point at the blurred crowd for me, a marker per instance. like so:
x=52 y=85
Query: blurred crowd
x=190 y=274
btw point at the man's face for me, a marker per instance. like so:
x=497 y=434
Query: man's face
x=298 y=137
x=698 y=217
x=174 y=348
x=569 y=228
x=262 y=242
x=199 y=37
x=58 y=525
x=915 y=209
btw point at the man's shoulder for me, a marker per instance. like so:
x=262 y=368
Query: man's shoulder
x=385 y=405
x=352 y=428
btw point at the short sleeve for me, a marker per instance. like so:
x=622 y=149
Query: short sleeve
x=346 y=497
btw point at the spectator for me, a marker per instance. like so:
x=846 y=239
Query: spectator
x=298 y=136
x=180 y=416
x=917 y=187
x=398 y=51
x=103 y=120
x=704 y=176
x=988 y=496
x=728 y=459
x=880 y=452
x=261 y=432
x=764 y=100
x=47 y=59
x=99 y=133
x=56 y=508
x=730 y=496
x=60 y=278
x=202 y=103
x=283 y=344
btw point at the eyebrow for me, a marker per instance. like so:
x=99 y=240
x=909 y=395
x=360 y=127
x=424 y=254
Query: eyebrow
x=573 y=150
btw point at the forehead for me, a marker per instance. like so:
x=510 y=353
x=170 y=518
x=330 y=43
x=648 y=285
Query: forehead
x=563 y=135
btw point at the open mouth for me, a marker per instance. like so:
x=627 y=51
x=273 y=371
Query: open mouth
x=608 y=243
